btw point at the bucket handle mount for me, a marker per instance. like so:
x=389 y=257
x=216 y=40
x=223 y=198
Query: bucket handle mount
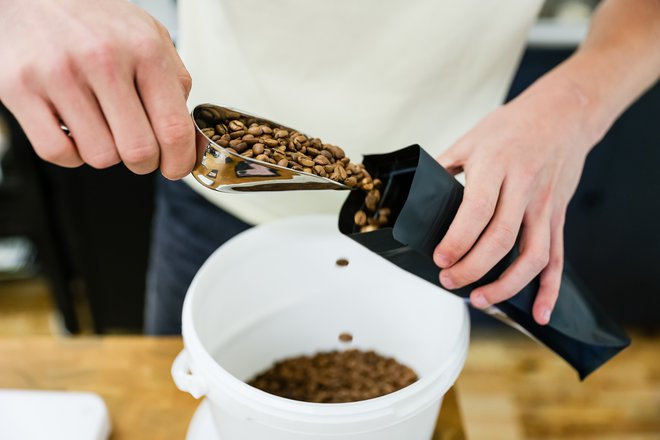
x=184 y=377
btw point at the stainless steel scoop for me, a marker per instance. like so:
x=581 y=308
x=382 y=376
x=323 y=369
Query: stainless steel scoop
x=225 y=171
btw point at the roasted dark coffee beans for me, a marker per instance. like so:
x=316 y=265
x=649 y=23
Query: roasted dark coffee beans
x=335 y=377
x=262 y=141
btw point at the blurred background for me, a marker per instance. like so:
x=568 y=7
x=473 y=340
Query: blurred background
x=74 y=243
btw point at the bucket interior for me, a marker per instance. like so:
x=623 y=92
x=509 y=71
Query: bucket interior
x=277 y=291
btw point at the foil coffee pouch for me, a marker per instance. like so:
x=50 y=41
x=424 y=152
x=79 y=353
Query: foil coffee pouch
x=423 y=199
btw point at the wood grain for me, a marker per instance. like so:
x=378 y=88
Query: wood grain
x=132 y=374
x=25 y=308
x=513 y=388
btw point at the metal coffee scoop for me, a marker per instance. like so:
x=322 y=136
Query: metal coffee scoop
x=225 y=171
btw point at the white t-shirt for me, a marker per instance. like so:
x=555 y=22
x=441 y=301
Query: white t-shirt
x=371 y=76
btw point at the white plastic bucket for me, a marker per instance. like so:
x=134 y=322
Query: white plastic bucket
x=276 y=291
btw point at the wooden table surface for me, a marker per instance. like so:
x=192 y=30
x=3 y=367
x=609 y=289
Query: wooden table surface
x=132 y=374
x=513 y=388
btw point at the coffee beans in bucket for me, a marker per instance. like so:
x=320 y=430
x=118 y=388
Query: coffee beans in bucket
x=276 y=145
x=335 y=377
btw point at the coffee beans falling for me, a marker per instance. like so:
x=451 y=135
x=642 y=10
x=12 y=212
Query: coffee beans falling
x=345 y=337
x=335 y=377
x=261 y=140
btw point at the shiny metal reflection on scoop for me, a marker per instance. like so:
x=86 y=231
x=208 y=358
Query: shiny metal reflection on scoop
x=225 y=171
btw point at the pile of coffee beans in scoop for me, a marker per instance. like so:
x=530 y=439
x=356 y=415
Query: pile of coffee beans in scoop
x=276 y=145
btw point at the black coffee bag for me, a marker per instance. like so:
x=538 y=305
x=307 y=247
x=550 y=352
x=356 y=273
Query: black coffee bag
x=423 y=199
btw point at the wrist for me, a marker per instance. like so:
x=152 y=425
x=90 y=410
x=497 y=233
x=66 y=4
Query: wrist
x=571 y=93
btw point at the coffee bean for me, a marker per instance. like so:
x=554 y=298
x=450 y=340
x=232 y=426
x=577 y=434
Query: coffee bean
x=305 y=161
x=342 y=172
x=241 y=147
x=384 y=211
x=336 y=176
x=372 y=199
x=214 y=112
x=283 y=162
x=328 y=154
x=318 y=169
x=206 y=114
x=221 y=128
x=350 y=182
x=255 y=131
x=360 y=218
x=236 y=125
x=368 y=228
x=237 y=134
x=270 y=142
x=258 y=148
x=321 y=160
x=262 y=157
x=337 y=152
x=345 y=337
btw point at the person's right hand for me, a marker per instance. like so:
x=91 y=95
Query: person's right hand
x=108 y=71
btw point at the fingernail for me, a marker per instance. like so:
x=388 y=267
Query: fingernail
x=443 y=260
x=446 y=281
x=546 y=315
x=479 y=301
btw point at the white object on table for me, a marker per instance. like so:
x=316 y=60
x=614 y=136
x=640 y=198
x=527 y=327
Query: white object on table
x=52 y=415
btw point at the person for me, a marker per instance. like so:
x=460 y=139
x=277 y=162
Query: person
x=354 y=73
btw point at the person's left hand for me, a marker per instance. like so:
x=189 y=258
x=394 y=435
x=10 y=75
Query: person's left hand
x=522 y=164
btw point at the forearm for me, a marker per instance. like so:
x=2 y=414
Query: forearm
x=617 y=62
